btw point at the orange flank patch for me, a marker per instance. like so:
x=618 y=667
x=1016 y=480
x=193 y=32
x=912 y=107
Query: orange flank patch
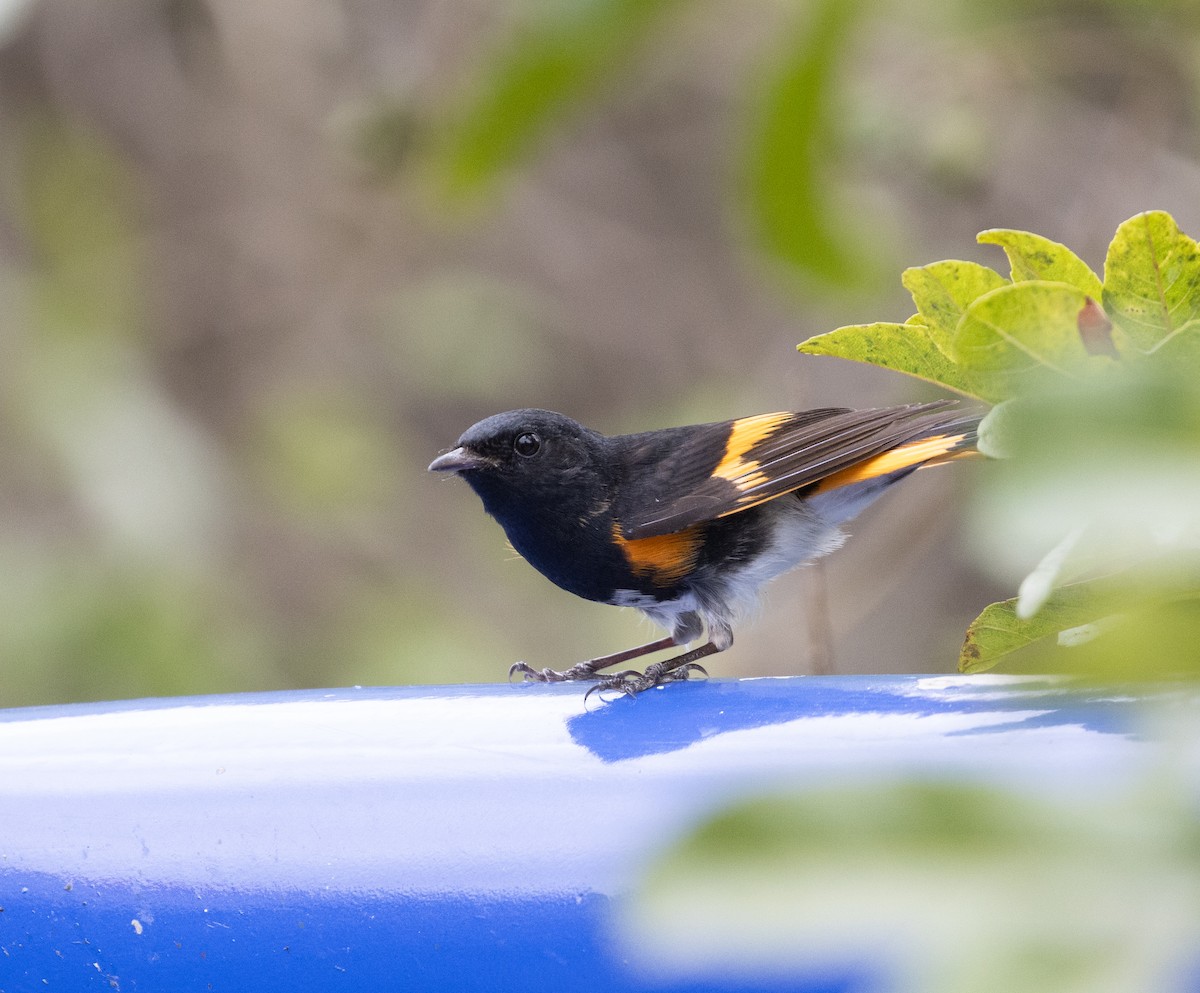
x=744 y=434
x=665 y=558
x=927 y=451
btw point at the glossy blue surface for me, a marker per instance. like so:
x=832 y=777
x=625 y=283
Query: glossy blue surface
x=447 y=838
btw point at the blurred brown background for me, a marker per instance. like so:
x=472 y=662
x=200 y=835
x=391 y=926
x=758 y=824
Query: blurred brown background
x=260 y=262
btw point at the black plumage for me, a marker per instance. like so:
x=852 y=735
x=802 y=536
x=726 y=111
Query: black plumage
x=687 y=524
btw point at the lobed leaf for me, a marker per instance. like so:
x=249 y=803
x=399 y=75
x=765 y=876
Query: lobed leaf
x=1019 y=332
x=908 y=348
x=1031 y=256
x=1152 y=279
x=942 y=292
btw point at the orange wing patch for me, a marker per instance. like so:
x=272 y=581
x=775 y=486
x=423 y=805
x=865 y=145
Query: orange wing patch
x=932 y=451
x=745 y=433
x=665 y=558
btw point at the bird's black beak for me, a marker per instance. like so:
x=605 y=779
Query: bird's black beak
x=459 y=460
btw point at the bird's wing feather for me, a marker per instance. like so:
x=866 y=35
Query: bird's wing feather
x=719 y=469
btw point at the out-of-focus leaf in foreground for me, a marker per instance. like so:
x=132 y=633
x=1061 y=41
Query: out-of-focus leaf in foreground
x=1114 y=463
x=932 y=887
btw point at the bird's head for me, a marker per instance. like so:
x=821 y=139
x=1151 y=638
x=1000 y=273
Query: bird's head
x=528 y=459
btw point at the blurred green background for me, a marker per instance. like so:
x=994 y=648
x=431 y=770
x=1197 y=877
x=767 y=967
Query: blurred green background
x=260 y=262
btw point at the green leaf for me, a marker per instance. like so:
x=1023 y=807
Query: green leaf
x=998 y=632
x=942 y=292
x=1033 y=257
x=1018 y=332
x=789 y=167
x=551 y=65
x=908 y=348
x=1181 y=348
x=1152 y=279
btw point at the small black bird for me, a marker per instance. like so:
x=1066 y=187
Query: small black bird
x=687 y=524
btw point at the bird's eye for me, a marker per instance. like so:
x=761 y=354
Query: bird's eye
x=527 y=445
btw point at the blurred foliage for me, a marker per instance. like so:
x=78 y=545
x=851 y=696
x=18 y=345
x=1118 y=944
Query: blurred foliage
x=80 y=220
x=237 y=323
x=98 y=628
x=1100 y=424
x=564 y=53
x=1101 y=486
x=561 y=53
x=319 y=458
x=793 y=204
x=939 y=886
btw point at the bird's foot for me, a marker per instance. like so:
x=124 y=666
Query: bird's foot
x=590 y=668
x=631 y=682
x=531 y=675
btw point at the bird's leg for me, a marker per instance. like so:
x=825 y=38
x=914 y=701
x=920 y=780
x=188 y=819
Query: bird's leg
x=590 y=668
x=668 y=671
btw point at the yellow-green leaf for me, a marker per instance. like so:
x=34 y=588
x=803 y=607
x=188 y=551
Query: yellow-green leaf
x=908 y=348
x=1021 y=331
x=1033 y=257
x=998 y=632
x=1152 y=279
x=942 y=292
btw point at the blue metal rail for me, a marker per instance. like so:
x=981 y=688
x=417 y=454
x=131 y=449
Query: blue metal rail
x=441 y=838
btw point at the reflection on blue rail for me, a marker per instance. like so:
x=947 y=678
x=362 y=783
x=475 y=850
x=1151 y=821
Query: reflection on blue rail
x=618 y=731
x=446 y=838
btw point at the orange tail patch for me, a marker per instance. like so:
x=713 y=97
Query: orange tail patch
x=916 y=454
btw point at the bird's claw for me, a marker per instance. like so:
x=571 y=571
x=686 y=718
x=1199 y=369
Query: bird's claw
x=531 y=675
x=631 y=682
x=615 y=681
